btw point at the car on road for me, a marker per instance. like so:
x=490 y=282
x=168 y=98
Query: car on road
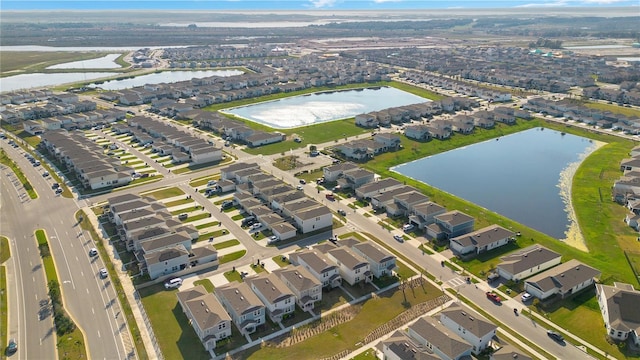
x=299 y=187
x=398 y=238
x=342 y=212
x=103 y=273
x=12 y=347
x=303 y=181
x=59 y=190
x=407 y=227
x=55 y=186
x=36 y=163
x=183 y=216
x=494 y=297
x=93 y=252
x=330 y=196
x=45 y=174
x=555 y=336
x=526 y=297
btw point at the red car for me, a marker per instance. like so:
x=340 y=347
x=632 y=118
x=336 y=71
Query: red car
x=494 y=297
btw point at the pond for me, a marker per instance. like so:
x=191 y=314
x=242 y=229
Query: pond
x=105 y=62
x=163 y=77
x=524 y=176
x=326 y=106
x=27 y=81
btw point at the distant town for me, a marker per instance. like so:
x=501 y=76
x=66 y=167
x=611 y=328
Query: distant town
x=234 y=198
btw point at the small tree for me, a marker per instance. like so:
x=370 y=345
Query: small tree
x=313 y=148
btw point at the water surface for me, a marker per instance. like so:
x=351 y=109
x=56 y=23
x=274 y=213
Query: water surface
x=163 y=77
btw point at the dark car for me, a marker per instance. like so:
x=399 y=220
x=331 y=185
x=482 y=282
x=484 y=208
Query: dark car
x=12 y=347
x=342 y=212
x=555 y=336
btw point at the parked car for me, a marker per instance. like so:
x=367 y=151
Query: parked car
x=103 y=273
x=408 y=227
x=93 y=252
x=493 y=297
x=342 y=212
x=272 y=240
x=183 y=216
x=303 y=181
x=45 y=174
x=555 y=336
x=299 y=187
x=12 y=347
x=330 y=196
x=59 y=190
x=526 y=297
x=248 y=221
x=55 y=186
x=256 y=226
x=398 y=238
x=173 y=283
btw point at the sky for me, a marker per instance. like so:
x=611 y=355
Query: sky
x=301 y=4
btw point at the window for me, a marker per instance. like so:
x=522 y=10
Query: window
x=222 y=326
x=357 y=271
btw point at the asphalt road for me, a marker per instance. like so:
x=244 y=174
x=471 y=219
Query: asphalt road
x=89 y=300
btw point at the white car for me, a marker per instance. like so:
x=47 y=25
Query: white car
x=103 y=273
x=256 y=226
x=272 y=240
x=407 y=227
x=93 y=252
x=526 y=297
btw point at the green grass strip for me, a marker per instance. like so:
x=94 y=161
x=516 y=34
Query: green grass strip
x=5 y=251
x=5 y=160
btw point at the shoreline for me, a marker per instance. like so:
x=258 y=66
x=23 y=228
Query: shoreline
x=573 y=235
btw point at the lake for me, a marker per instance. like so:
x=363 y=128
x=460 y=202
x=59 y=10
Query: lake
x=27 y=81
x=320 y=107
x=163 y=77
x=524 y=176
x=106 y=62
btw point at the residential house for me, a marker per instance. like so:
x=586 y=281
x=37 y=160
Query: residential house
x=563 y=280
x=166 y=261
x=366 y=120
x=479 y=241
x=509 y=352
x=206 y=315
x=366 y=191
x=381 y=262
x=417 y=132
x=439 y=339
x=353 y=267
x=333 y=172
x=450 y=224
x=319 y=265
x=244 y=307
x=526 y=262
x=313 y=219
x=470 y=326
x=306 y=288
x=399 y=346
x=274 y=294
x=620 y=311
x=424 y=214
x=390 y=141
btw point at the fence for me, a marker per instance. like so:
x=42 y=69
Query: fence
x=147 y=323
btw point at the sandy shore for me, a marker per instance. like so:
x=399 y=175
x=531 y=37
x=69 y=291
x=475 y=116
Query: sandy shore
x=573 y=236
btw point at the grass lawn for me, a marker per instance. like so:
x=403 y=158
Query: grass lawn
x=197 y=217
x=165 y=193
x=203 y=226
x=4 y=315
x=5 y=251
x=373 y=314
x=176 y=337
x=203 y=181
x=582 y=312
x=208 y=285
x=71 y=346
x=278 y=260
x=37 y=61
x=5 y=160
x=233 y=275
x=179 y=202
x=226 y=244
x=231 y=257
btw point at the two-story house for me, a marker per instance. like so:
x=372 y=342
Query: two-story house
x=381 y=262
x=319 y=265
x=274 y=294
x=353 y=267
x=619 y=309
x=527 y=262
x=470 y=326
x=244 y=307
x=304 y=285
x=206 y=315
x=434 y=336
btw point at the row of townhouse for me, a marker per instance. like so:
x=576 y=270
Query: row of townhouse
x=572 y=110
x=628 y=93
x=58 y=104
x=247 y=304
x=276 y=205
x=456 y=334
x=162 y=245
x=25 y=96
x=167 y=139
x=503 y=65
x=366 y=149
x=403 y=114
x=86 y=160
x=83 y=120
x=234 y=130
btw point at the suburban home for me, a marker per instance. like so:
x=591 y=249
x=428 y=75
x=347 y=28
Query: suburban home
x=391 y=141
x=399 y=346
x=417 y=132
x=167 y=261
x=333 y=172
x=470 y=326
x=355 y=178
x=274 y=294
x=306 y=288
x=509 y=352
x=206 y=315
x=450 y=224
x=319 y=265
x=526 y=262
x=632 y=164
x=244 y=307
x=439 y=339
x=353 y=267
x=313 y=219
x=564 y=280
x=424 y=214
x=619 y=309
x=260 y=138
x=228 y=173
x=381 y=262
x=371 y=189
x=284 y=230
x=366 y=120
x=479 y=241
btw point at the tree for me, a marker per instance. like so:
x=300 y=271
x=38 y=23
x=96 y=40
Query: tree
x=313 y=148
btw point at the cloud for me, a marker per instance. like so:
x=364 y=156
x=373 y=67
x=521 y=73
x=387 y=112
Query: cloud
x=319 y=4
x=385 y=1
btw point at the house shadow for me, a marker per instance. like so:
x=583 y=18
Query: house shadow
x=188 y=343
